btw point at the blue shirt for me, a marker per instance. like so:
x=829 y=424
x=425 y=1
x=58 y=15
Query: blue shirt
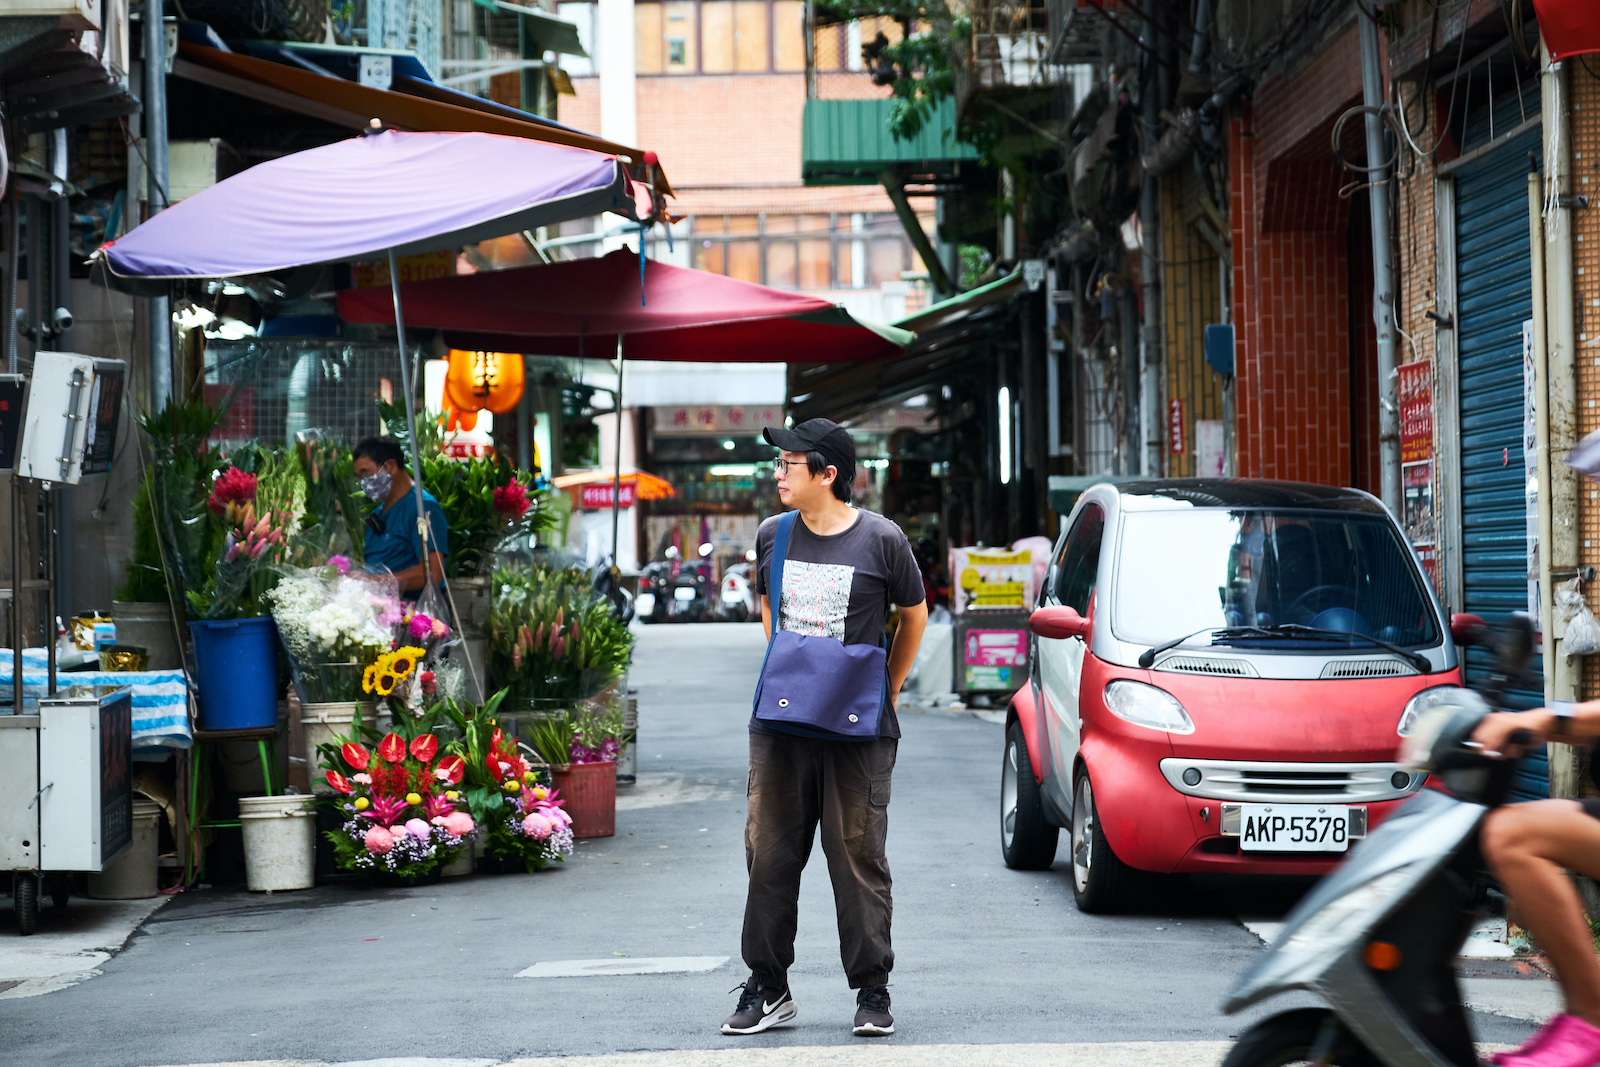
x=398 y=546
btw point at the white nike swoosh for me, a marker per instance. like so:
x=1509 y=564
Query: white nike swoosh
x=768 y=1009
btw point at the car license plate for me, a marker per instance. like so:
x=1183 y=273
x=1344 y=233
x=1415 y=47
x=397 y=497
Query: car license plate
x=683 y=592
x=1294 y=827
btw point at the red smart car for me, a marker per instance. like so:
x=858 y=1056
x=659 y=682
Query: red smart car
x=1222 y=674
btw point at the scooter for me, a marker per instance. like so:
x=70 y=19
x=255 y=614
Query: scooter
x=1377 y=939
x=738 y=598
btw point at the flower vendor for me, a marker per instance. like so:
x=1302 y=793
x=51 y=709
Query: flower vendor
x=392 y=541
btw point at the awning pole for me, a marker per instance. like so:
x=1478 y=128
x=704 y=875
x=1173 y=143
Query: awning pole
x=411 y=419
x=616 y=477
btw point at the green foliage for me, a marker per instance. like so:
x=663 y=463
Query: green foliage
x=180 y=468
x=333 y=497
x=552 y=739
x=551 y=636
x=145 y=580
x=926 y=62
x=975 y=259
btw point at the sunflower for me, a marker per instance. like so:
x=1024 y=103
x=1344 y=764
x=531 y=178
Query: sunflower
x=401 y=662
x=385 y=684
x=369 y=677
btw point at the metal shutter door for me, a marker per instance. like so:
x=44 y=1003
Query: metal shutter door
x=1494 y=298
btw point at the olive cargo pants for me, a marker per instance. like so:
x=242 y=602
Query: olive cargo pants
x=797 y=784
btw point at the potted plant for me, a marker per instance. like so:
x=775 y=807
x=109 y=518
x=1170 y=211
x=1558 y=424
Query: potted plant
x=552 y=637
x=582 y=749
x=525 y=821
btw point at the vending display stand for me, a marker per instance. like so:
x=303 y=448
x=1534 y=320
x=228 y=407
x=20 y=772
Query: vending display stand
x=66 y=794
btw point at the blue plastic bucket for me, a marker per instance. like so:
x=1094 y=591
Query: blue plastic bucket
x=237 y=664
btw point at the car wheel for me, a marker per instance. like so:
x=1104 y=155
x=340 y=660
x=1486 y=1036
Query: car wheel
x=1027 y=839
x=1292 y=1037
x=1100 y=881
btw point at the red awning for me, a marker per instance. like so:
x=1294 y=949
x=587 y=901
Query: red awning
x=1569 y=27
x=581 y=306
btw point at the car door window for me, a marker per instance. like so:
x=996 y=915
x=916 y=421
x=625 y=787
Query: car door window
x=1080 y=560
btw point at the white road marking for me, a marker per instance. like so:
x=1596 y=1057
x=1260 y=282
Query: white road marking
x=648 y=965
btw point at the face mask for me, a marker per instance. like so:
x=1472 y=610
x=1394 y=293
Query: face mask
x=377 y=485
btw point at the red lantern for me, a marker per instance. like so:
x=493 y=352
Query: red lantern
x=479 y=381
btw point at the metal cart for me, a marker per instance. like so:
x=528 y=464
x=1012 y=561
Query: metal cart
x=66 y=797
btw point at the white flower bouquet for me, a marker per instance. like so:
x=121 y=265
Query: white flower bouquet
x=334 y=625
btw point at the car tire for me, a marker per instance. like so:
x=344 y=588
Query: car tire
x=1027 y=839
x=1290 y=1038
x=1100 y=881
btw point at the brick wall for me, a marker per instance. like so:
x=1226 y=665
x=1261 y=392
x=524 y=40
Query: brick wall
x=1291 y=307
x=1585 y=96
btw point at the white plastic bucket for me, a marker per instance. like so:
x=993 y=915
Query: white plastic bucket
x=132 y=875
x=280 y=835
x=321 y=723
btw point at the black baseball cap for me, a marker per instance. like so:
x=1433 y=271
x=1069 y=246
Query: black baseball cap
x=818 y=435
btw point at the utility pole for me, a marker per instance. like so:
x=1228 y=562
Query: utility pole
x=1383 y=294
x=155 y=158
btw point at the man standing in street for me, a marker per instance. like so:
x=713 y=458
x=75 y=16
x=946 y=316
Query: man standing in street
x=841 y=568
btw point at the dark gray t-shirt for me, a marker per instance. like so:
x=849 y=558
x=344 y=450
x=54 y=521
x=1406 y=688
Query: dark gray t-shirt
x=840 y=586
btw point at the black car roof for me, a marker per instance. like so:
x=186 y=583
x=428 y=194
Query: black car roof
x=1254 y=493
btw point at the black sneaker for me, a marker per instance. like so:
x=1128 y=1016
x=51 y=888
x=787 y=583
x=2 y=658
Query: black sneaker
x=760 y=1007
x=872 y=1012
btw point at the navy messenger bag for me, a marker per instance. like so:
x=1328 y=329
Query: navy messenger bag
x=818 y=682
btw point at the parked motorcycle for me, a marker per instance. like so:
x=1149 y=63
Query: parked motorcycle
x=672 y=590
x=738 y=598
x=1377 y=939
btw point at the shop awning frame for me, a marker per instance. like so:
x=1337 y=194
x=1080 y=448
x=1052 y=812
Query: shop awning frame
x=353 y=105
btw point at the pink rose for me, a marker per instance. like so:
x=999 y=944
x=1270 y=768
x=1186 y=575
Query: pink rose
x=418 y=829
x=439 y=628
x=379 y=840
x=537 y=826
x=341 y=562
x=459 y=823
x=421 y=626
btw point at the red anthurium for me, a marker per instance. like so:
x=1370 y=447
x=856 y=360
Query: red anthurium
x=453 y=766
x=392 y=748
x=339 y=782
x=425 y=747
x=492 y=763
x=355 y=755
x=497 y=738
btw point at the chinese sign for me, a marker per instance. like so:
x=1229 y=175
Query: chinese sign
x=1175 y=425
x=597 y=496
x=419 y=268
x=991 y=579
x=713 y=418
x=994 y=659
x=1416 y=411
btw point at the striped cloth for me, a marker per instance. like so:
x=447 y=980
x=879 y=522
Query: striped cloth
x=160 y=698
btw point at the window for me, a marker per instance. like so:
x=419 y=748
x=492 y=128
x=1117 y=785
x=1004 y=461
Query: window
x=585 y=15
x=812 y=252
x=816 y=259
x=664 y=37
x=751 y=50
x=1079 y=564
x=788 y=35
x=781 y=265
x=744 y=260
x=888 y=261
x=716 y=36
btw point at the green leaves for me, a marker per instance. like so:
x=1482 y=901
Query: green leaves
x=551 y=636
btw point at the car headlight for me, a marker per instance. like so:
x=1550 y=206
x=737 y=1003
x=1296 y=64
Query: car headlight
x=1437 y=697
x=1330 y=922
x=1145 y=705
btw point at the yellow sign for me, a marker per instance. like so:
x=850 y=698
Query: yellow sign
x=992 y=579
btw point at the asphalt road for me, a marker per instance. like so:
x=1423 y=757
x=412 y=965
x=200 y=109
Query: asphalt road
x=984 y=955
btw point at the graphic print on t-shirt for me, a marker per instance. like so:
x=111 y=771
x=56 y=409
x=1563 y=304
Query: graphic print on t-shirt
x=816 y=598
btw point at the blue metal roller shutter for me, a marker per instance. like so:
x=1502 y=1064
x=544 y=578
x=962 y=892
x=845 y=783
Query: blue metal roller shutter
x=1494 y=297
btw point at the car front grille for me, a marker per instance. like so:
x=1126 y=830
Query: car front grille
x=1228 y=668
x=1307 y=783
x=1367 y=668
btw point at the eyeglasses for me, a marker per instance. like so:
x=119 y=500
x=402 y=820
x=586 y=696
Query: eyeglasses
x=781 y=466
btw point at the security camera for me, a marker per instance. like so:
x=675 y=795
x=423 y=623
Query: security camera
x=61 y=320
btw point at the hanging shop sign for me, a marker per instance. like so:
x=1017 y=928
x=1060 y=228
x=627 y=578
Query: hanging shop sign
x=739 y=419
x=598 y=496
x=1416 y=461
x=1175 y=425
x=418 y=268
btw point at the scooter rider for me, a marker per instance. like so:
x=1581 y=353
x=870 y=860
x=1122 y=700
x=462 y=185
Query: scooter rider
x=1530 y=847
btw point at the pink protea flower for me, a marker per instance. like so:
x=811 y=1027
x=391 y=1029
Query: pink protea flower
x=379 y=840
x=459 y=823
x=420 y=626
x=512 y=500
x=537 y=826
x=418 y=829
x=234 y=485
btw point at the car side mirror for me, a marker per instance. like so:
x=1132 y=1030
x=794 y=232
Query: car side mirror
x=1469 y=630
x=1058 y=623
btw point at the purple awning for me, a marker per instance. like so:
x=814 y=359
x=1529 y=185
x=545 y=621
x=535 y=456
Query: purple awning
x=358 y=199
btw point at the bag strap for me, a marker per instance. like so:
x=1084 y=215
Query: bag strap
x=780 y=549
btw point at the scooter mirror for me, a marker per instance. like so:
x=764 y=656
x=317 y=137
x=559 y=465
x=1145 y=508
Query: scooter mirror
x=1468 y=630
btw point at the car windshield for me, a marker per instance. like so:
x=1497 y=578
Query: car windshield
x=1187 y=570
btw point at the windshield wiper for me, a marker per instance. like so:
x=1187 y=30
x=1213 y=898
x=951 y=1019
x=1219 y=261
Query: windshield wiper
x=1148 y=656
x=1416 y=659
x=1289 y=629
